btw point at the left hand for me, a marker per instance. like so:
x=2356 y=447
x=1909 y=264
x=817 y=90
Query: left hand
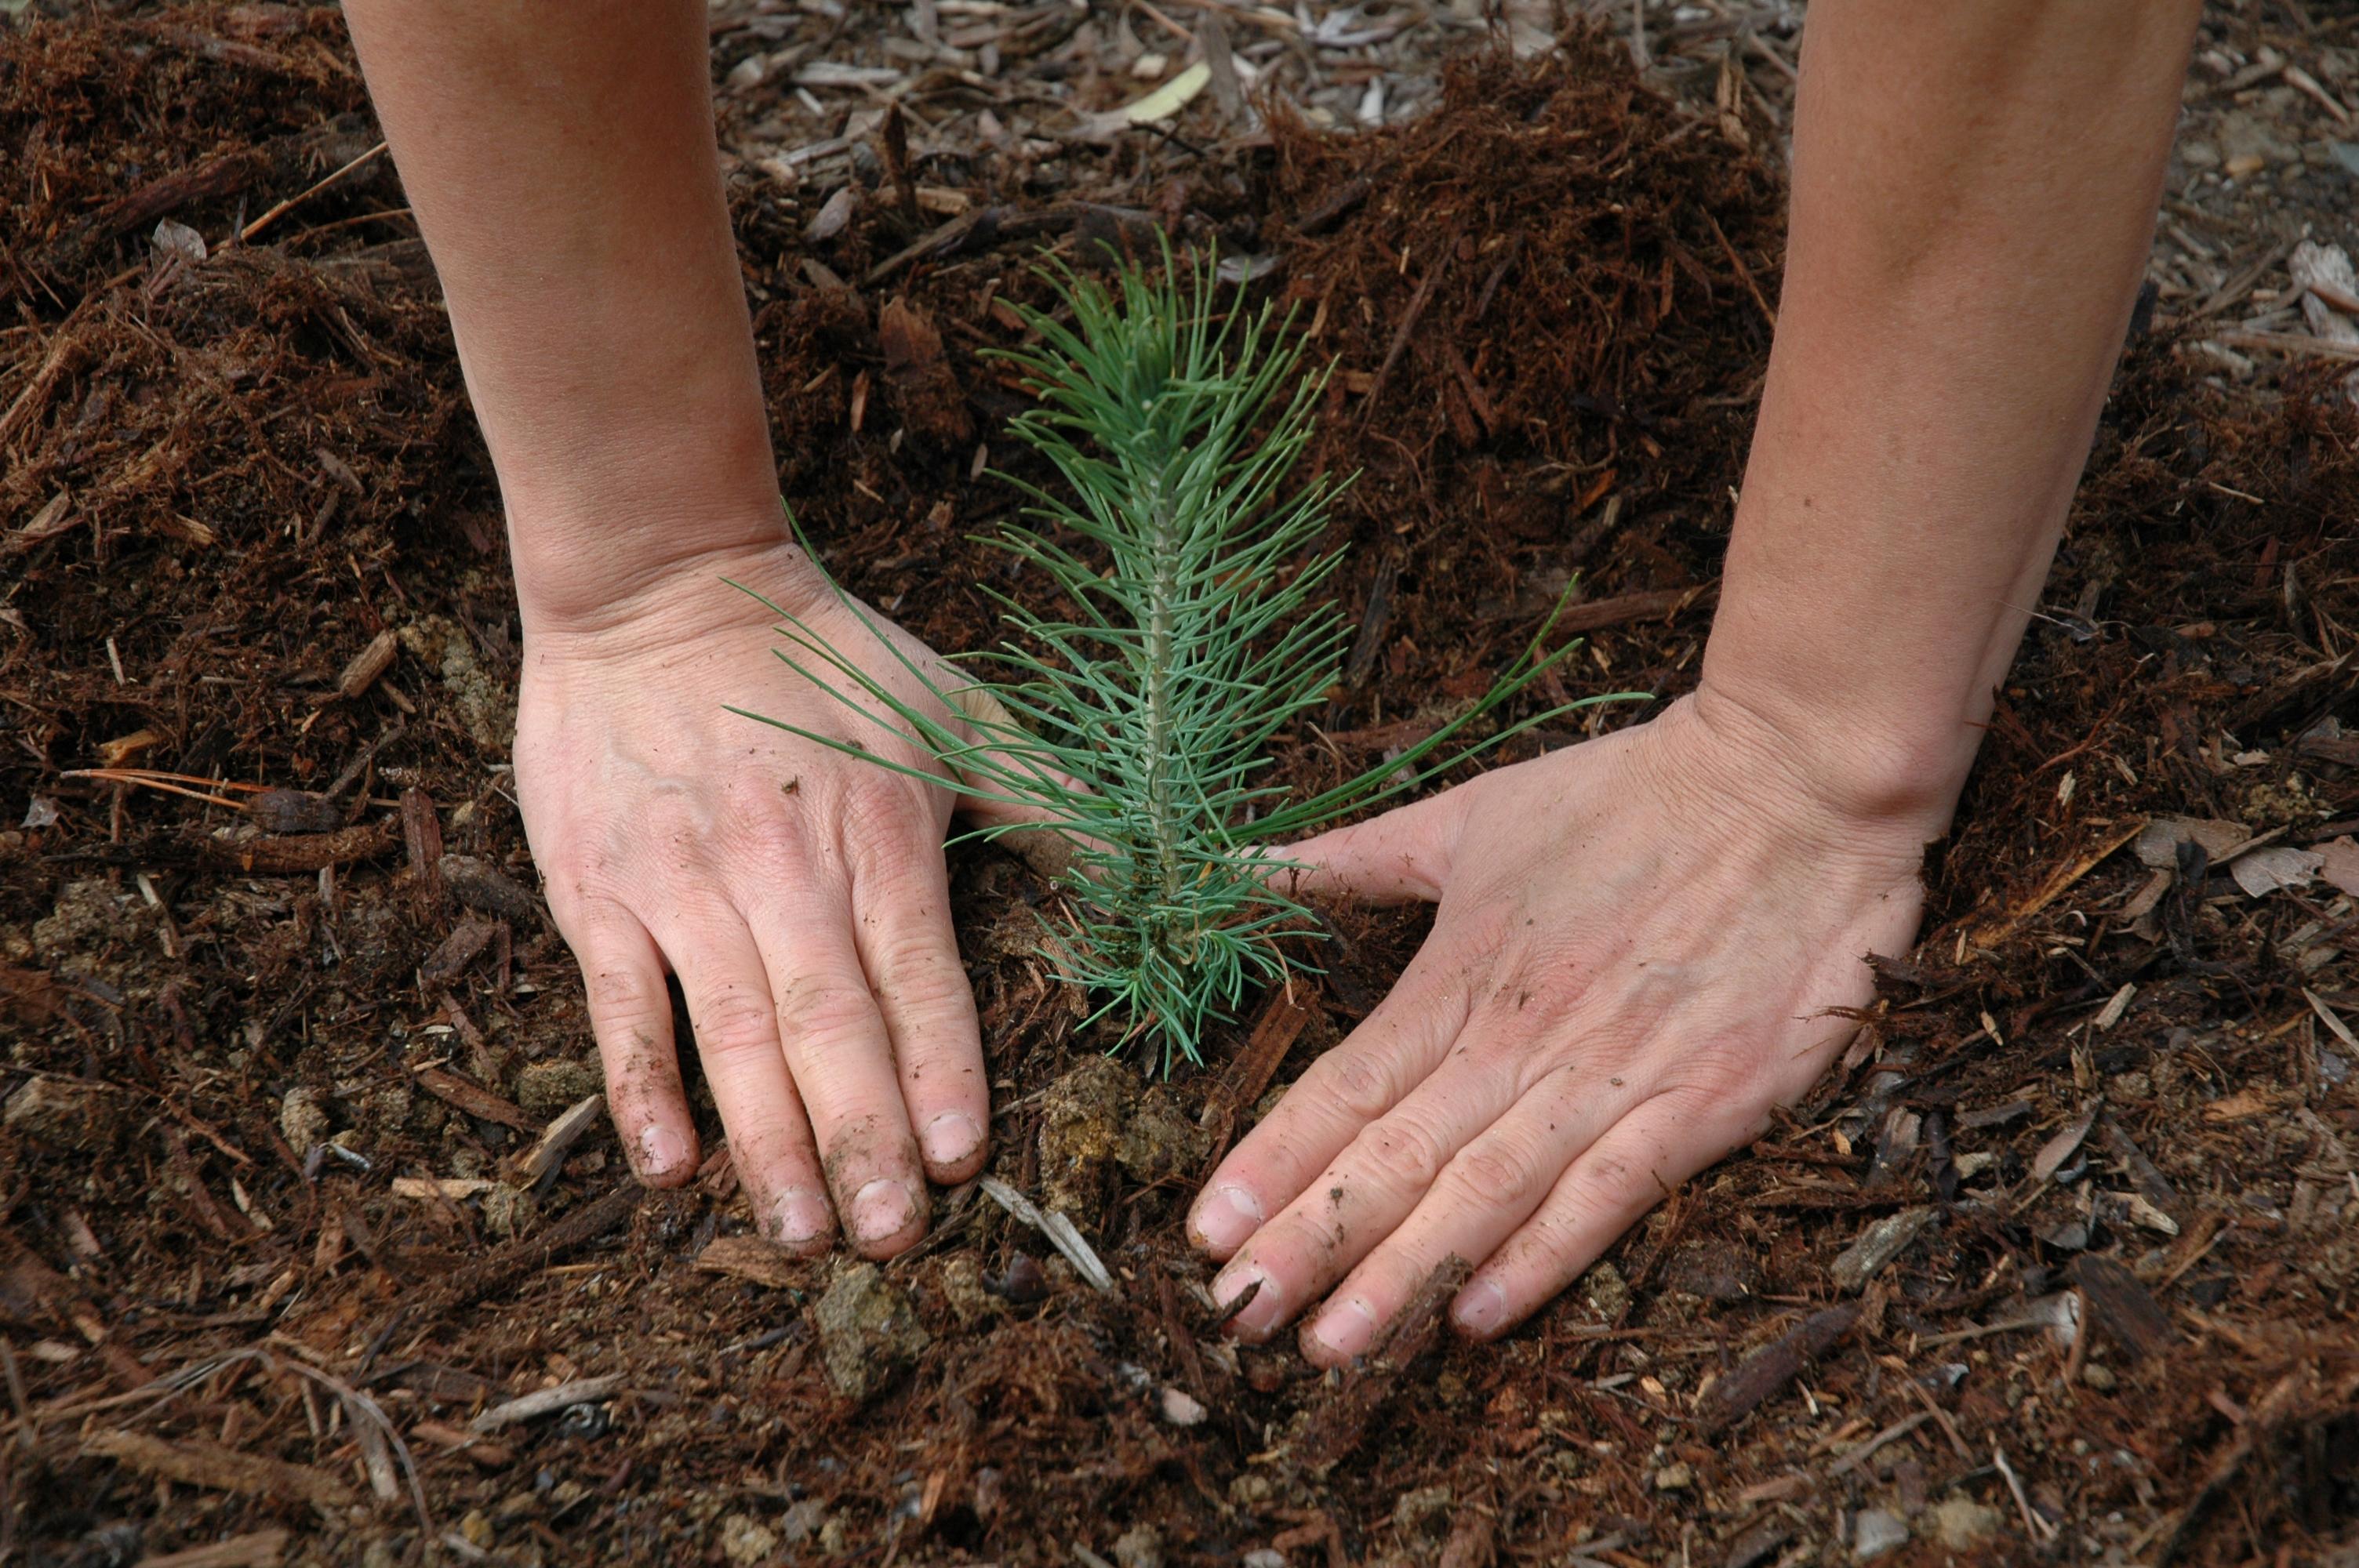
x=1637 y=945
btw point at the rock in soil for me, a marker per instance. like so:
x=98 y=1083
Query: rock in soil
x=1139 y=1548
x=1877 y=1533
x=1963 y=1524
x=868 y=1332
x=742 y=1540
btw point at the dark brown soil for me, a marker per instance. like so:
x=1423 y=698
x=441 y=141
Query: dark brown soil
x=1545 y=308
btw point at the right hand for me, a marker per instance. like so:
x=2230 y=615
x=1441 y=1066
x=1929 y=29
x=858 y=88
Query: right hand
x=799 y=894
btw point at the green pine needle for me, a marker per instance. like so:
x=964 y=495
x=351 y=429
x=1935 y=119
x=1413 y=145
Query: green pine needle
x=1136 y=731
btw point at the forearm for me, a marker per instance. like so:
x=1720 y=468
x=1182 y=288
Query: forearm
x=1973 y=199
x=561 y=161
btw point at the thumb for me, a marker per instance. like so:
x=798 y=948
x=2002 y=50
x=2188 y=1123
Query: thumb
x=1046 y=850
x=1403 y=855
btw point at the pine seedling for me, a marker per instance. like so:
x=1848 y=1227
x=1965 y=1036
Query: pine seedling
x=1135 y=725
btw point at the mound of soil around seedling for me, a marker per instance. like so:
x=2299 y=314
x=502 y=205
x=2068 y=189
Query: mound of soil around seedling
x=2061 y=1261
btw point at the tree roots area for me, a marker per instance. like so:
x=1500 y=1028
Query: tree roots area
x=315 y=1246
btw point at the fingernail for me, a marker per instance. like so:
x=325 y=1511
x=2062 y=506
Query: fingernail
x=661 y=1151
x=1260 y=1315
x=1480 y=1307
x=880 y=1209
x=1227 y=1217
x=1345 y=1329
x=950 y=1138
x=800 y=1217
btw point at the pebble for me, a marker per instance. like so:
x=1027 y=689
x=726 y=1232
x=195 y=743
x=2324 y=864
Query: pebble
x=745 y=1540
x=1182 y=1409
x=1963 y=1524
x=1265 y=1557
x=1675 y=1477
x=1876 y=1533
x=2099 y=1377
x=1139 y=1548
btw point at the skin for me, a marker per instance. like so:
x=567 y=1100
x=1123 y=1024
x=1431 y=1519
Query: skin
x=1637 y=941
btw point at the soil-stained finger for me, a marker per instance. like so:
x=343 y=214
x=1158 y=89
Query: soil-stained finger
x=902 y=929
x=630 y=1018
x=729 y=1009
x=833 y=1041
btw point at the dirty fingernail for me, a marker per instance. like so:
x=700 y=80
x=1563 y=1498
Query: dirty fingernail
x=800 y=1216
x=880 y=1209
x=1481 y=1306
x=1226 y=1217
x=1258 y=1316
x=661 y=1151
x=951 y=1137
x=1345 y=1329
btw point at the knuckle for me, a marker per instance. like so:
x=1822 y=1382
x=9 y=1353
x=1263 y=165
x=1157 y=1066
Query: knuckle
x=820 y=1009
x=1405 y=1154
x=1494 y=1174
x=1359 y=1082
x=733 y=1020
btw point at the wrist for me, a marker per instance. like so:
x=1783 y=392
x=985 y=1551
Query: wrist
x=591 y=576
x=1864 y=766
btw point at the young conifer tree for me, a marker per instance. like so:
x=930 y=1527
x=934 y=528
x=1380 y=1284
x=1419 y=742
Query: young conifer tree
x=1136 y=728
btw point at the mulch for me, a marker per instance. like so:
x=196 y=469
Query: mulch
x=2059 y=1265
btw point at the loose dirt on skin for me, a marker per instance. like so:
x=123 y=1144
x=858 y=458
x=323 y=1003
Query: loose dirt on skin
x=2059 y=1265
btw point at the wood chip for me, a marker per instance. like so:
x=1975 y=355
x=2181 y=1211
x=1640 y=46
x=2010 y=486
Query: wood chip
x=1336 y=1427
x=2158 y=840
x=456 y=1189
x=262 y=1549
x=2264 y=871
x=367 y=666
x=217 y=1470
x=1735 y=1395
x=2059 y=1149
x=751 y=1259
x=564 y=1130
x=474 y=1098
x=2122 y=1306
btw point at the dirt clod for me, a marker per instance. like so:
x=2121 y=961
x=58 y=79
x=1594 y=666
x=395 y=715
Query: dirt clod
x=545 y=1088
x=868 y=1332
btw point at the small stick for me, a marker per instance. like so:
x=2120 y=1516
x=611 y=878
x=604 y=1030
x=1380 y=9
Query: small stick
x=1744 y=272
x=245 y=235
x=548 y=1401
x=2041 y=1528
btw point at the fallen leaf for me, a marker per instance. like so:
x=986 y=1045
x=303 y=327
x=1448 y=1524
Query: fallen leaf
x=2264 y=871
x=1170 y=98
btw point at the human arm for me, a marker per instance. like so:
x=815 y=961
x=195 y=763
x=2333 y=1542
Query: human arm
x=1639 y=940
x=561 y=164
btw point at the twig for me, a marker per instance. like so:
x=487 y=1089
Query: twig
x=2041 y=1528
x=1744 y=272
x=1941 y=1416
x=548 y=1401
x=247 y=234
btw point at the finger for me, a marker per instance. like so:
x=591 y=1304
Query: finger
x=1402 y=856
x=1358 y=1201
x=1489 y=1188
x=1374 y=1069
x=1637 y=1165
x=630 y=1018
x=901 y=900
x=729 y=1007
x=841 y=1059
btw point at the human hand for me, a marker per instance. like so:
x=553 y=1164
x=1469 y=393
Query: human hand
x=1637 y=945
x=799 y=894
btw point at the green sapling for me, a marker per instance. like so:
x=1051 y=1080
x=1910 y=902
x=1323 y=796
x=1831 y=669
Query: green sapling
x=1137 y=730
